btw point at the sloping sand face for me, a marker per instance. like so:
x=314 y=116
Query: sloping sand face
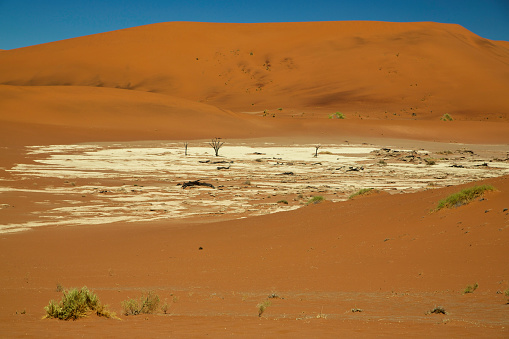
x=110 y=182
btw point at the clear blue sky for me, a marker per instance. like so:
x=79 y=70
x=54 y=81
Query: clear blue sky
x=31 y=22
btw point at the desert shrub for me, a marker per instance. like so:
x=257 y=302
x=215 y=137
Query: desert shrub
x=437 y=310
x=470 y=288
x=463 y=197
x=262 y=307
x=430 y=161
x=337 y=115
x=76 y=304
x=165 y=307
x=147 y=304
x=446 y=117
x=316 y=199
x=355 y=310
x=283 y=202
x=361 y=192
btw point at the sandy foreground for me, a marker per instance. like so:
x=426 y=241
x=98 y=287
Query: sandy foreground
x=92 y=163
x=385 y=254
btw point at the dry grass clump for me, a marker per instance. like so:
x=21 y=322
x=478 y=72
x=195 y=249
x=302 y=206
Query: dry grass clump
x=337 y=115
x=147 y=304
x=77 y=304
x=470 y=288
x=437 y=310
x=446 y=117
x=463 y=197
x=262 y=307
x=315 y=200
x=362 y=191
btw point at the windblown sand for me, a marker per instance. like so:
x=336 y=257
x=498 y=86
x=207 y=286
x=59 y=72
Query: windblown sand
x=92 y=163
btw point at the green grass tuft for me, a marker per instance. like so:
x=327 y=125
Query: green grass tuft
x=362 y=192
x=446 y=117
x=337 y=115
x=470 y=288
x=76 y=304
x=147 y=304
x=316 y=199
x=262 y=307
x=463 y=197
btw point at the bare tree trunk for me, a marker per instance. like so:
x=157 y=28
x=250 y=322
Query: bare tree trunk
x=185 y=145
x=316 y=150
x=216 y=144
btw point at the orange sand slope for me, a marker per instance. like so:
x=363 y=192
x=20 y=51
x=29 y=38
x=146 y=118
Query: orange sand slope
x=349 y=66
x=148 y=82
x=387 y=255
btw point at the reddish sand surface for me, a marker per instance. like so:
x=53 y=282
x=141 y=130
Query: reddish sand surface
x=385 y=254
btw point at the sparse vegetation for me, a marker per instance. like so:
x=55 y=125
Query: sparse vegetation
x=262 y=307
x=77 y=304
x=283 y=202
x=437 y=310
x=337 y=115
x=316 y=199
x=446 y=117
x=470 y=288
x=216 y=144
x=165 y=307
x=463 y=197
x=355 y=310
x=147 y=304
x=429 y=161
x=321 y=315
x=506 y=293
x=362 y=192
x=60 y=288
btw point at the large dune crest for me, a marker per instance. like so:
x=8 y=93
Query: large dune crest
x=383 y=68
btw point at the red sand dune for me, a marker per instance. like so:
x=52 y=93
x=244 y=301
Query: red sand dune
x=368 y=70
x=385 y=254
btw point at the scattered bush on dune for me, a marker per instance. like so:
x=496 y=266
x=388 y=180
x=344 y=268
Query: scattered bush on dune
x=262 y=307
x=437 y=310
x=316 y=199
x=446 y=117
x=147 y=304
x=470 y=288
x=77 y=304
x=362 y=191
x=463 y=197
x=337 y=115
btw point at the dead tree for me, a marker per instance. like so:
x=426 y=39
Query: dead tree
x=196 y=183
x=316 y=150
x=216 y=144
x=185 y=147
